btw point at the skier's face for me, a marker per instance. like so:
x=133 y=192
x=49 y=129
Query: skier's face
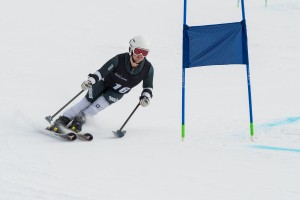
x=137 y=58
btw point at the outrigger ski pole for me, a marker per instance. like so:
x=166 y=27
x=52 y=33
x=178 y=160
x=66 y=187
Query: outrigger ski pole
x=120 y=133
x=49 y=118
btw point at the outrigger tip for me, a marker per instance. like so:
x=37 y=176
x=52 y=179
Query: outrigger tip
x=119 y=133
x=49 y=118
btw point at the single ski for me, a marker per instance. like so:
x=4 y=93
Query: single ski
x=67 y=136
x=84 y=136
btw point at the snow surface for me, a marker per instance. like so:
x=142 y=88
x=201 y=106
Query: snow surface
x=47 y=48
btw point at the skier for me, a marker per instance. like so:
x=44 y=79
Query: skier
x=108 y=85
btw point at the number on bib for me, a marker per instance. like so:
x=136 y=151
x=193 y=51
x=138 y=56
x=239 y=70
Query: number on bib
x=121 y=89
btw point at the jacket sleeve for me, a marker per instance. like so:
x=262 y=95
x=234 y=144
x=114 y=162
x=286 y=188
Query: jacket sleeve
x=101 y=73
x=148 y=84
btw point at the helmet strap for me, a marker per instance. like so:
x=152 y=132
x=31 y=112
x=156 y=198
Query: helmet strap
x=134 y=60
x=130 y=53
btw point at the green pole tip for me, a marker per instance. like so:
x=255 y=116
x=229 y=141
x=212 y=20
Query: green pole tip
x=251 y=129
x=182 y=131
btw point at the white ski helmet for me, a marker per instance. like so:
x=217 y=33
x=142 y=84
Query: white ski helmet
x=139 y=42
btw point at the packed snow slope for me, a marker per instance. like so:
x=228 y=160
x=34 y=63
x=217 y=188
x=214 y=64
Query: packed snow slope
x=47 y=49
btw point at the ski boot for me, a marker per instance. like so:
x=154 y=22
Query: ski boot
x=77 y=123
x=61 y=121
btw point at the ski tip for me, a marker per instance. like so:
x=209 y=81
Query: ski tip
x=72 y=136
x=88 y=136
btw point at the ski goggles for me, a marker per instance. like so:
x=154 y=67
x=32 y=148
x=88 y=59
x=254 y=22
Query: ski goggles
x=138 y=51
